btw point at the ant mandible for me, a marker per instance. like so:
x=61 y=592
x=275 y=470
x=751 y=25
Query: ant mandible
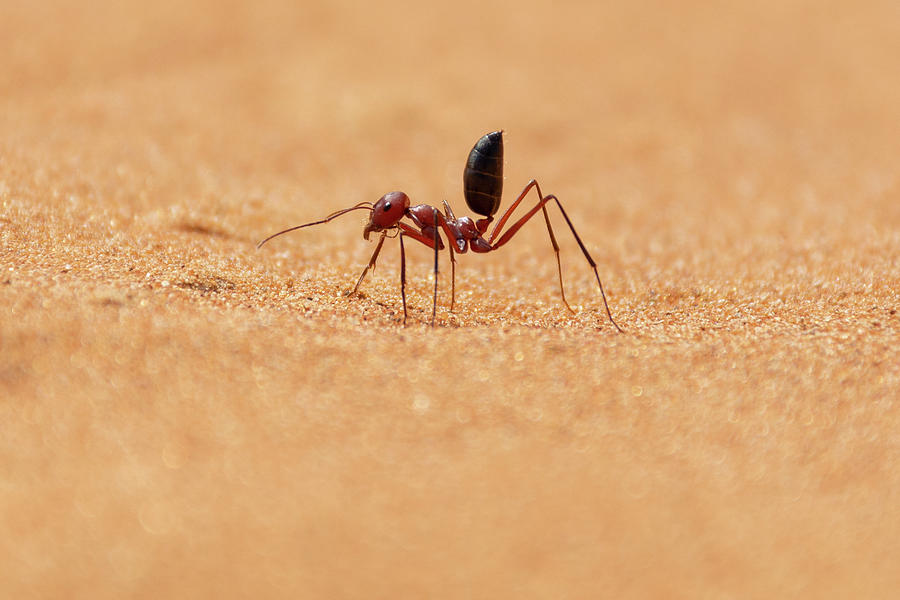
x=483 y=186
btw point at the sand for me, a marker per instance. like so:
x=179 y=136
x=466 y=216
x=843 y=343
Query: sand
x=187 y=416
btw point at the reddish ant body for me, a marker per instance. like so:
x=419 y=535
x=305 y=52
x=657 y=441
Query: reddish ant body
x=483 y=187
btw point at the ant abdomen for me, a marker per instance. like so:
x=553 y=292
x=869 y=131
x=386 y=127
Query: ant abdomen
x=483 y=175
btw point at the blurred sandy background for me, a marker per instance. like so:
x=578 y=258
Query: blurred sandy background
x=184 y=416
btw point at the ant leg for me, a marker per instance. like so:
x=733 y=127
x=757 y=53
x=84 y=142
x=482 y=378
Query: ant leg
x=589 y=259
x=403 y=276
x=435 y=243
x=542 y=206
x=436 y=247
x=451 y=217
x=452 y=276
x=512 y=231
x=371 y=265
x=502 y=222
x=509 y=211
x=562 y=290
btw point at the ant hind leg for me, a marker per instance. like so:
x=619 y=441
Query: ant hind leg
x=542 y=205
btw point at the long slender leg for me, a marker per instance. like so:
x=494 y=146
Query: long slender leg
x=542 y=206
x=403 y=276
x=562 y=290
x=502 y=222
x=509 y=211
x=371 y=264
x=417 y=235
x=436 y=246
x=452 y=276
x=589 y=259
x=450 y=216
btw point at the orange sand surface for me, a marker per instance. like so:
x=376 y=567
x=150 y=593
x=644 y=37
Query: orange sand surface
x=185 y=416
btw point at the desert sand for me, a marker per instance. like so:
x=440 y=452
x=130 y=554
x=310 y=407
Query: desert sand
x=185 y=416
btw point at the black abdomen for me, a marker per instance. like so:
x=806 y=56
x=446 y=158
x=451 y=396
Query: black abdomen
x=483 y=176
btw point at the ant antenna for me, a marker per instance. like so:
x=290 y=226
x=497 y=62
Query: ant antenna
x=334 y=215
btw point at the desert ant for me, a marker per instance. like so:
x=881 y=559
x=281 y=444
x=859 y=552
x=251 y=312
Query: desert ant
x=483 y=186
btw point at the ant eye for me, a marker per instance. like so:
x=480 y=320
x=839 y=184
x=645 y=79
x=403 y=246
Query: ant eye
x=387 y=206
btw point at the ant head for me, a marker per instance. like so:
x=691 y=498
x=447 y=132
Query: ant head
x=389 y=209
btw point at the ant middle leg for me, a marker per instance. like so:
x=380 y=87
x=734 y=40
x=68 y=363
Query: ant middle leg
x=437 y=246
x=452 y=276
x=450 y=216
x=433 y=242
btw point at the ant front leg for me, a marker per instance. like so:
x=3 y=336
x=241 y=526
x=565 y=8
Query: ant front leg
x=402 y=276
x=371 y=265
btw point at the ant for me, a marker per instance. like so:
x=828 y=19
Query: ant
x=483 y=186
